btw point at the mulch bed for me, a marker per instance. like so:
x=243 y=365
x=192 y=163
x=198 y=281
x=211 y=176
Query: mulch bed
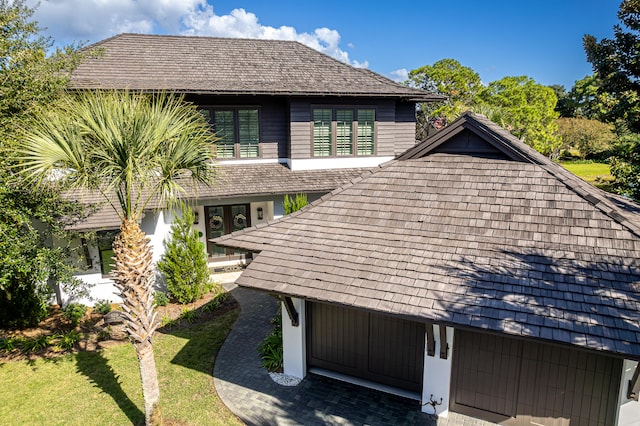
x=97 y=335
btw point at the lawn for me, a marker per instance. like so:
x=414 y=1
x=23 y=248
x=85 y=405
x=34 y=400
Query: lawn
x=591 y=172
x=103 y=387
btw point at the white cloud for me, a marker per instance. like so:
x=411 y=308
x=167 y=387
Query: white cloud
x=400 y=75
x=92 y=20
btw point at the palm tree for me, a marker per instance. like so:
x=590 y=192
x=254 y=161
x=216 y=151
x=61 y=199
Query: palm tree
x=141 y=148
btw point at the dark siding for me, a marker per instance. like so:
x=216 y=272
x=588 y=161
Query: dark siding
x=469 y=143
x=405 y=126
x=360 y=344
x=274 y=127
x=393 y=134
x=514 y=382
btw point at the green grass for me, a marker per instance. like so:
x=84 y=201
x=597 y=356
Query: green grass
x=103 y=387
x=591 y=172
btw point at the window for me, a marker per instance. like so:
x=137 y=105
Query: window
x=238 y=130
x=343 y=132
x=105 y=248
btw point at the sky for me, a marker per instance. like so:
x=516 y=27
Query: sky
x=541 y=39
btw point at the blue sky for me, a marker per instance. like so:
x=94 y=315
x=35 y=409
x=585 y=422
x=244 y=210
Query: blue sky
x=541 y=39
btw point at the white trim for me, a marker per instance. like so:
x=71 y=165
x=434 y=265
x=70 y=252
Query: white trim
x=294 y=341
x=223 y=162
x=437 y=374
x=336 y=163
x=628 y=410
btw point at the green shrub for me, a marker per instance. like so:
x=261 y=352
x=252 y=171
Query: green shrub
x=160 y=298
x=102 y=307
x=292 y=204
x=67 y=341
x=74 y=312
x=36 y=343
x=184 y=262
x=190 y=315
x=11 y=343
x=270 y=349
x=215 y=303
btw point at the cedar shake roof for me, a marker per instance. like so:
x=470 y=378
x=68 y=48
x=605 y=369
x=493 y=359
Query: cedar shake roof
x=472 y=229
x=239 y=180
x=227 y=66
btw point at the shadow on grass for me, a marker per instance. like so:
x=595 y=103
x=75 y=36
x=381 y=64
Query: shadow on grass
x=95 y=367
x=204 y=336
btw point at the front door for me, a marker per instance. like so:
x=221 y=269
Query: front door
x=223 y=220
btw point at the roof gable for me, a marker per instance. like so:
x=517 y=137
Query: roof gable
x=228 y=66
x=472 y=241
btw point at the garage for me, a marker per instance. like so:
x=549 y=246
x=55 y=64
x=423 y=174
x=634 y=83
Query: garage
x=515 y=382
x=362 y=344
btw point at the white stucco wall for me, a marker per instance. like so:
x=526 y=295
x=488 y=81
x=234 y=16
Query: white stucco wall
x=437 y=375
x=628 y=410
x=293 y=341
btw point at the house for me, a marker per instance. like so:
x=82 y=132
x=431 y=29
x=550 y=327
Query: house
x=290 y=120
x=471 y=273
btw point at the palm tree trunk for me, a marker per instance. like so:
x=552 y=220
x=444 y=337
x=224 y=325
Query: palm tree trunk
x=134 y=277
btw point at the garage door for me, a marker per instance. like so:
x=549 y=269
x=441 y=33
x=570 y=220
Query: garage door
x=513 y=382
x=361 y=344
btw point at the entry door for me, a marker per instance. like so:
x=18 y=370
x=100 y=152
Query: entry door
x=375 y=347
x=516 y=382
x=223 y=220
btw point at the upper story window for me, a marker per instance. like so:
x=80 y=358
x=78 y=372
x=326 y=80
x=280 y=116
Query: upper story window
x=343 y=132
x=238 y=130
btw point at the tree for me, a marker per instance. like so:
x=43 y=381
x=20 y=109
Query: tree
x=526 y=109
x=30 y=82
x=449 y=78
x=139 y=147
x=294 y=203
x=184 y=262
x=617 y=63
x=590 y=137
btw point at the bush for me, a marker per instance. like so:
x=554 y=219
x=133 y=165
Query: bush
x=270 y=349
x=292 y=204
x=184 y=262
x=160 y=298
x=102 y=307
x=74 y=312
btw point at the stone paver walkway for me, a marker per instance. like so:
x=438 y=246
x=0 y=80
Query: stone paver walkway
x=249 y=392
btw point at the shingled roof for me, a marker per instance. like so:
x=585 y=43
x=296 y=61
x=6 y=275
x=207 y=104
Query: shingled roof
x=228 y=66
x=234 y=180
x=471 y=229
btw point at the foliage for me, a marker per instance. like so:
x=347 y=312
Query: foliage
x=583 y=100
x=625 y=165
x=67 y=341
x=184 y=262
x=136 y=146
x=270 y=349
x=37 y=343
x=160 y=298
x=30 y=219
x=527 y=110
x=102 y=307
x=591 y=138
x=189 y=315
x=292 y=204
x=615 y=61
x=215 y=303
x=74 y=312
x=104 y=386
x=449 y=78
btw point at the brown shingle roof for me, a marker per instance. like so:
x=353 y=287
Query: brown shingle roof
x=237 y=180
x=510 y=244
x=228 y=66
